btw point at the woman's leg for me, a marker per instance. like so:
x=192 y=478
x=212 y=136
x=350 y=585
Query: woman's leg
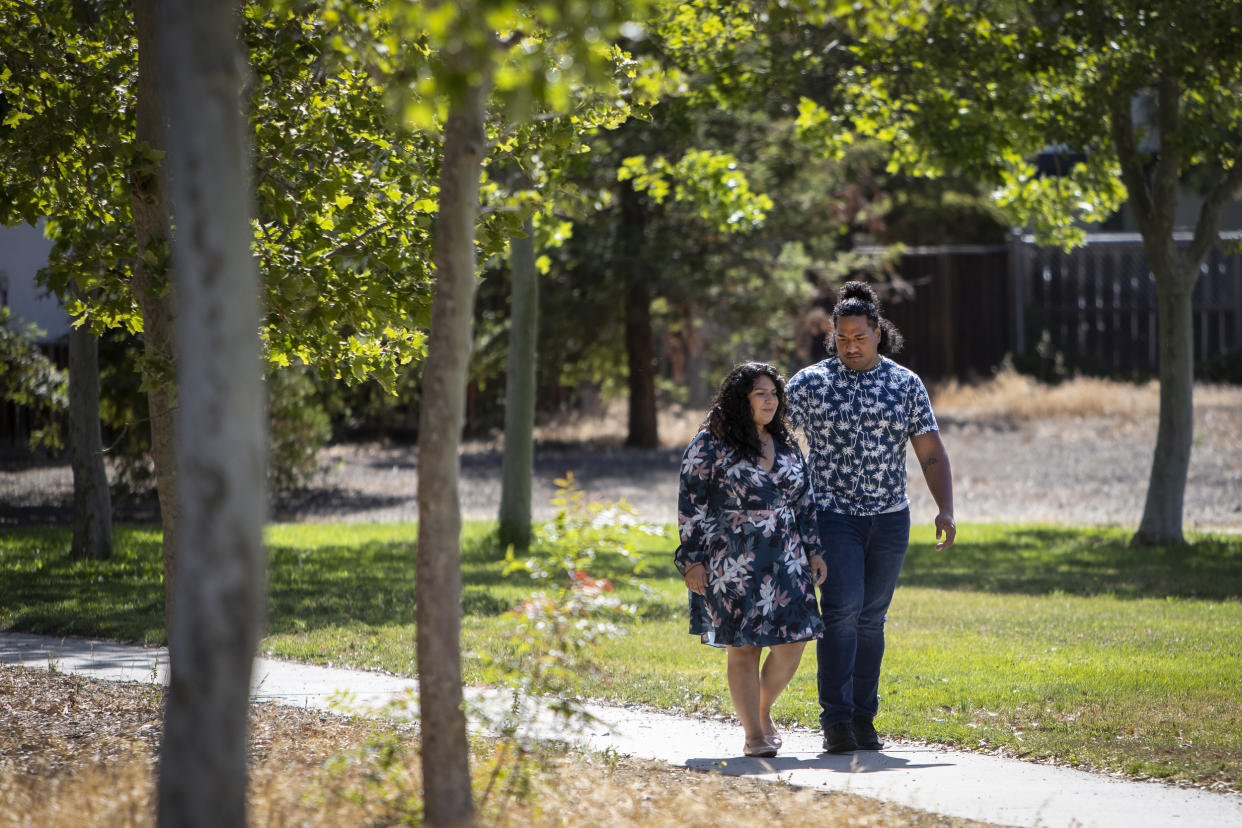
x=743 y=672
x=778 y=668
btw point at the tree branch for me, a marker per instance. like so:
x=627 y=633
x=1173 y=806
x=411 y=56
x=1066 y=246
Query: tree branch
x=1208 y=225
x=1131 y=165
x=1169 y=157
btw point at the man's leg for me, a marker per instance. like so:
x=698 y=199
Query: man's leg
x=887 y=540
x=841 y=601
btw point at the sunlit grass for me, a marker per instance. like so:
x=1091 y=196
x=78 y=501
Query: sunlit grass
x=1046 y=642
x=45 y=592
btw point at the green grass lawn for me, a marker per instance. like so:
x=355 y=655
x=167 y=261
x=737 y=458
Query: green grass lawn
x=1033 y=641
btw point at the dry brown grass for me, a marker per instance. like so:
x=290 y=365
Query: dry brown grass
x=1006 y=397
x=676 y=426
x=1013 y=397
x=77 y=752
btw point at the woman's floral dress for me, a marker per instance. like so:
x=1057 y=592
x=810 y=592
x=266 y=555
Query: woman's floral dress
x=752 y=530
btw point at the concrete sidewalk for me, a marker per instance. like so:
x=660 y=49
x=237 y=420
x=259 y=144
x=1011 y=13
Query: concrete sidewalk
x=1001 y=791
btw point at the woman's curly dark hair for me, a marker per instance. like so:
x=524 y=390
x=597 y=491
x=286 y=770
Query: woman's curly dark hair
x=860 y=299
x=730 y=417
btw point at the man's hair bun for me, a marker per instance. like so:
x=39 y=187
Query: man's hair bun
x=858 y=290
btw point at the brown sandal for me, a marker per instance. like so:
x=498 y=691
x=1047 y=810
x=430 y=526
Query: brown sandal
x=762 y=749
x=775 y=738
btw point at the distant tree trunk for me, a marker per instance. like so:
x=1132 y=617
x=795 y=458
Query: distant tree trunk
x=699 y=383
x=1152 y=192
x=447 y=795
x=92 y=502
x=221 y=450
x=518 y=465
x=640 y=348
x=1166 y=488
x=639 y=344
x=150 y=280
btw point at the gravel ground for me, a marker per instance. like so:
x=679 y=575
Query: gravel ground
x=78 y=752
x=1074 y=470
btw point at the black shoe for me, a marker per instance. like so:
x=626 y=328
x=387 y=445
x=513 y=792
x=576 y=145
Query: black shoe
x=865 y=735
x=839 y=738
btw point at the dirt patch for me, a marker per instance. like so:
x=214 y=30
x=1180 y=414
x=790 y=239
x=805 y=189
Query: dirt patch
x=1070 y=466
x=1079 y=454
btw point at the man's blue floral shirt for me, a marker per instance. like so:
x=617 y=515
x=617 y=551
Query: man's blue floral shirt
x=856 y=425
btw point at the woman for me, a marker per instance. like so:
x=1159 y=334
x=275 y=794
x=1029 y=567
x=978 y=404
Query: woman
x=746 y=517
x=858 y=410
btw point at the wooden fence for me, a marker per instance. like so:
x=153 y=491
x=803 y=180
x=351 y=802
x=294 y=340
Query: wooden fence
x=953 y=311
x=1091 y=310
x=1096 y=305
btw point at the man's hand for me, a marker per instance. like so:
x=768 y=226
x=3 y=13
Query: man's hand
x=935 y=462
x=946 y=527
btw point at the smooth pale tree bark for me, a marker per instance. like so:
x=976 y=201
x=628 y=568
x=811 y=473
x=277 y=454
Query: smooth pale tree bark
x=639 y=347
x=92 y=502
x=1153 y=200
x=221 y=450
x=447 y=798
x=155 y=301
x=518 y=464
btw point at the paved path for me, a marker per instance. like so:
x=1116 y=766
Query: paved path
x=1001 y=791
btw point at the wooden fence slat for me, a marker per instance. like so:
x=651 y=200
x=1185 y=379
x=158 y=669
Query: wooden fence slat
x=1094 y=307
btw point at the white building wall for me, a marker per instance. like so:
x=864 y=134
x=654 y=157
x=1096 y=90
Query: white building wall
x=23 y=250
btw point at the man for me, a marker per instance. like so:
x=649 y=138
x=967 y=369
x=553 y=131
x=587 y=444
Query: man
x=857 y=409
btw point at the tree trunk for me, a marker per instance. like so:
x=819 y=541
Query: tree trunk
x=518 y=465
x=639 y=347
x=1152 y=191
x=700 y=384
x=1162 y=513
x=155 y=301
x=640 y=351
x=446 y=772
x=92 y=502
x=221 y=450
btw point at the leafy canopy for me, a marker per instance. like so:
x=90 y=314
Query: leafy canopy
x=981 y=88
x=344 y=203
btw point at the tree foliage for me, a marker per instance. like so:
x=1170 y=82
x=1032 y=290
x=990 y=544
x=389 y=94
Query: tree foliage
x=981 y=89
x=733 y=209
x=344 y=201
x=1135 y=98
x=31 y=380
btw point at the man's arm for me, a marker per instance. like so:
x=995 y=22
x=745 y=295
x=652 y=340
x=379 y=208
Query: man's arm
x=935 y=463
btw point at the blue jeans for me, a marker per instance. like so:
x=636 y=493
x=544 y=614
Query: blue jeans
x=864 y=557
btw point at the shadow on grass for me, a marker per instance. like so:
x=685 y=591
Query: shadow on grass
x=1037 y=561
x=45 y=592
x=371 y=583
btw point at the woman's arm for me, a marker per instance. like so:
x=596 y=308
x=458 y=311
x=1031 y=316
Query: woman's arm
x=694 y=511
